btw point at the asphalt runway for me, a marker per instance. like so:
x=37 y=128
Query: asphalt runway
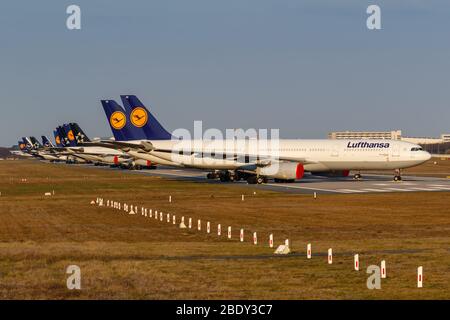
x=370 y=183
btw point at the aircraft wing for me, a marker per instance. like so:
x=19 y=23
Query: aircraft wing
x=121 y=145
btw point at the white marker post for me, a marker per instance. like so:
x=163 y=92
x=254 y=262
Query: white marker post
x=160 y=216
x=170 y=199
x=241 y=235
x=420 y=277
x=330 y=256
x=271 y=240
x=242 y=198
x=308 y=251
x=229 y=232
x=219 y=230
x=182 y=219
x=199 y=225
x=168 y=218
x=156 y=214
x=286 y=243
x=255 y=238
x=208 y=227
x=383 y=269
x=356 y=262
x=150 y=213
x=174 y=219
x=315 y=195
x=190 y=223
x=145 y=212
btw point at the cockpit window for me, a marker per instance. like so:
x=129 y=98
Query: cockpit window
x=416 y=149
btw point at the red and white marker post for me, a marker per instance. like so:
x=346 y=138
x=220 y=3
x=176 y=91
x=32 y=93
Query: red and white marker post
x=174 y=219
x=208 y=227
x=308 y=251
x=383 y=269
x=271 y=240
x=420 y=277
x=330 y=256
x=356 y=262
x=229 y=232
x=190 y=223
x=255 y=238
x=241 y=235
x=199 y=224
x=219 y=230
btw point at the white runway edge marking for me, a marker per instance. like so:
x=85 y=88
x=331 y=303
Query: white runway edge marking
x=439 y=188
x=399 y=189
x=376 y=190
x=424 y=189
x=297 y=187
x=350 y=191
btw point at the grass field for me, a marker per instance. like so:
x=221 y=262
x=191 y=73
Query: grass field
x=133 y=257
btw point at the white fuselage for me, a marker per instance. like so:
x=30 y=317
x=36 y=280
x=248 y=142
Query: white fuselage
x=317 y=155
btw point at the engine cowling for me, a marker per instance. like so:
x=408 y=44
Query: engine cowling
x=283 y=170
x=333 y=173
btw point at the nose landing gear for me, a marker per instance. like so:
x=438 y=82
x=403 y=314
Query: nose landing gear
x=397 y=176
x=357 y=176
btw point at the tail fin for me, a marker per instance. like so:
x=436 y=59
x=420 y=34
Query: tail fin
x=22 y=145
x=70 y=136
x=120 y=127
x=62 y=136
x=27 y=142
x=46 y=142
x=57 y=138
x=35 y=143
x=140 y=117
x=80 y=136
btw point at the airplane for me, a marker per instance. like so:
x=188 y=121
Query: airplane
x=79 y=148
x=34 y=148
x=126 y=133
x=284 y=160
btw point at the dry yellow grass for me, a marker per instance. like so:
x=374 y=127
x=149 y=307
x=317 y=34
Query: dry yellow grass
x=134 y=257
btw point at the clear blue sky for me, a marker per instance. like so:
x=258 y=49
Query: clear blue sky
x=306 y=67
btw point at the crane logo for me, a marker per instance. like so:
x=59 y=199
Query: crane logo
x=139 y=117
x=118 y=120
x=70 y=135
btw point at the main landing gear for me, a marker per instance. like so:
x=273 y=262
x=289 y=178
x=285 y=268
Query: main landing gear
x=225 y=176
x=357 y=176
x=397 y=176
x=256 y=179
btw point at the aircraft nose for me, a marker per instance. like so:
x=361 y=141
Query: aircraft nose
x=426 y=155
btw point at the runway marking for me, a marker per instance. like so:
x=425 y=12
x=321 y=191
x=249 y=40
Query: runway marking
x=350 y=191
x=440 y=188
x=423 y=189
x=399 y=189
x=297 y=187
x=381 y=184
x=375 y=190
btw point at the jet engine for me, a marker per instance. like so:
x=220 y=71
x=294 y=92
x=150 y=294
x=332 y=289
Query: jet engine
x=283 y=170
